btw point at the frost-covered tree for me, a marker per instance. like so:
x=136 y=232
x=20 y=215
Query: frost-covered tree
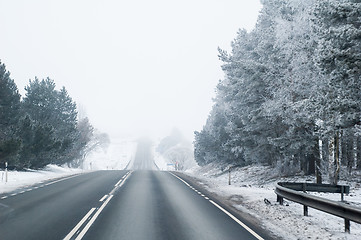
x=338 y=55
x=291 y=81
x=177 y=150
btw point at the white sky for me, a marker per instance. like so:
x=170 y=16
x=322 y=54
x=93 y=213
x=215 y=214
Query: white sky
x=137 y=67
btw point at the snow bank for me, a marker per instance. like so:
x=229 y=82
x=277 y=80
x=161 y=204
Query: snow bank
x=22 y=179
x=251 y=185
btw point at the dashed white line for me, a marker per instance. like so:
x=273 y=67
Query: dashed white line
x=76 y=228
x=14 y=194
x=97 y=211
x=118 y=182
x=102 y=199
x=86 y=228
x=4 y=197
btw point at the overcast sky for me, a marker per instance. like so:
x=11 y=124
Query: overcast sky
x=137 y=67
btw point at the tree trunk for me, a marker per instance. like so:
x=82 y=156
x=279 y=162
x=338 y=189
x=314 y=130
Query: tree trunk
x=337 y=157
x=358 y=152
x=333 y=157
x=318 y=161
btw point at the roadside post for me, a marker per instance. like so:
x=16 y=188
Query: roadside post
x=229 y=175
x=6 y=172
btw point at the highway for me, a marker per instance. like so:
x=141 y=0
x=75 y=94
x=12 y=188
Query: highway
x=124 y=204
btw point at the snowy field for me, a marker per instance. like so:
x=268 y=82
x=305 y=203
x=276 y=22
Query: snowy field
x=251 y=185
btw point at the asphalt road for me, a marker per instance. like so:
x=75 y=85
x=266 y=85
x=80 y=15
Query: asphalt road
x=142 y=204
x=49 y=212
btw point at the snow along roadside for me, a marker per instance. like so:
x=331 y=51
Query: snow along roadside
x=252 y=185
x=22 y=179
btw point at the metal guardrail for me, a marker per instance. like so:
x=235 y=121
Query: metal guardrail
x=340 y=209
x=316 y=187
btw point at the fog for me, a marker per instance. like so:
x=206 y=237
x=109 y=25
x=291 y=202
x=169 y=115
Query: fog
x=135 y=67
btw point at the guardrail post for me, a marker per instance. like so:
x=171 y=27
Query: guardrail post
x=342 y=192
x=305 y=210
x=347 y=225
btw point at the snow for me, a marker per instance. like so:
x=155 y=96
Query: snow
x=251 y=185
x=117 y=156
x=160 y=161
x=18 y=179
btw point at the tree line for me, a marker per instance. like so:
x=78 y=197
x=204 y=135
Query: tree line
x=42 y=127
x=291 y=95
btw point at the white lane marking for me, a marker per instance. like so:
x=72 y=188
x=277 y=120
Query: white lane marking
x=225 y=211
x=237 y=221
x=21 y=192
x=181 y=180
x=118 y=182
x=76 y=228
x=102 y=199
x=4 y=197
x=14 y=194
x=61 y=180
x=97 y=212
x=86 y=228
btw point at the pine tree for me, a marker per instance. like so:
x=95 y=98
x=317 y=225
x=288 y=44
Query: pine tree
x=338 y=24
x=55 y=111
x=9 y=117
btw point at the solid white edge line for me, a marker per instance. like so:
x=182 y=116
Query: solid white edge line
x=237 y=221
x=181 y=179
x=102 y=199
x=75 y=229
x=92 y=220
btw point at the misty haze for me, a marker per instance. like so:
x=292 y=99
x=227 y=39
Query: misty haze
x=180 y=119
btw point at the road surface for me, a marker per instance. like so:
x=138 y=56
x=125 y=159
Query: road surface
x=128 y=204
x=145 y=205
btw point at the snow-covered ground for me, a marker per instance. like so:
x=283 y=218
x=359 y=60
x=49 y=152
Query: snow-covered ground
x=22 y=179
x=249 y=188
x=117 y=156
